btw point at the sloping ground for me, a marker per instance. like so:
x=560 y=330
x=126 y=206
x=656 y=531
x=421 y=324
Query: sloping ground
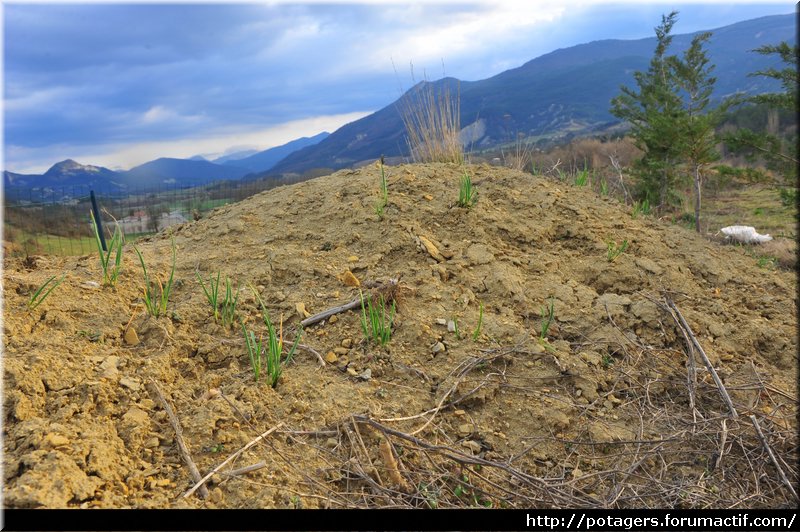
x=598 y=414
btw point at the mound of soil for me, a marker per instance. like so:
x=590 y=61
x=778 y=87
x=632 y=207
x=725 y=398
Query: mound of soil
x=469 y=404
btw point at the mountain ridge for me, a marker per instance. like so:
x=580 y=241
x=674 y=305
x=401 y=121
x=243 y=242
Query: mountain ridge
x=553 y=93
x=559 y=94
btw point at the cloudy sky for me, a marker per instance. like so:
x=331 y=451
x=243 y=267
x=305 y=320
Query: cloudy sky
x=117 y=85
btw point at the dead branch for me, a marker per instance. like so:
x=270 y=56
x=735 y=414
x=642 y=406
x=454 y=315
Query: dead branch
x=187 y=458
x=550 y=491
x=313 y=352
x=316 y=318
x=618 y=168
x=721 y=387
x=330 y=312
x=243 y=470
x=201 y=483
x=772 y=456
x=722 y=441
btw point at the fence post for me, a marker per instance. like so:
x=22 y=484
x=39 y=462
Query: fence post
x=97 y=220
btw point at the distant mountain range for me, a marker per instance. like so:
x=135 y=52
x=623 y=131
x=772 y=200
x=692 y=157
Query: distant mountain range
x=265 y=160
x=565 y=92
x=560 y=94
x=163 y=172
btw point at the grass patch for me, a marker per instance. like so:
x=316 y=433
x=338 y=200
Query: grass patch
x=27 y=243
x=477 y=332
x=40 y=294
x=376 y=324
x=615 y=250
x=775 y=216
x=640 y=207
x=582 y=178
x=225 y=309
x=269 y=356
x=384 y=190
x=111 y=273
x=156 y=294
x=548 y=313
x=467 y=195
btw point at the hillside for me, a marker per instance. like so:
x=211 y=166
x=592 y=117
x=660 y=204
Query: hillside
x=264 y=160
x=567 y=91
x=600 y=413
x=69 y=178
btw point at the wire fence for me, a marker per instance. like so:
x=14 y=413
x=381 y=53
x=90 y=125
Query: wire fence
x=56 y=220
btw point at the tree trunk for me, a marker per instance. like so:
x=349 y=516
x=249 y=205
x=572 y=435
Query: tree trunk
x=697 y=187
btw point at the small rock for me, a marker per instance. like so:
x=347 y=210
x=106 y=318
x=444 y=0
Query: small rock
x=465 y=429
x=432 y=250
x=130 y=383
x=216 y=495
x=340 y=350
x=479 y=254
x=460 y=413
x=54 y=440
x=109 y=367
x=472 y=445
x=301 y=310
x=441 y=321
x=331 y=357
x=333 y=319
x=438 y=348
x=136 y=416
x=352 y=258
x=648 y=265
x=726 y=357
x=130 y=336
x=330 y=443
x=347 y=343
x=352 y=372
x=451 y=326
x=366 y=375
x=151 y=443
x=349 y=279
x=92 y=285
x=428 y=197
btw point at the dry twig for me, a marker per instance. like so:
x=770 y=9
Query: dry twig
x=356 y=303
x=201 y=483
x=179 y=437
x=772 y=456
x=721 y=387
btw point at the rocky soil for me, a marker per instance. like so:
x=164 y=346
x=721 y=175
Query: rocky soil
x=598 y=412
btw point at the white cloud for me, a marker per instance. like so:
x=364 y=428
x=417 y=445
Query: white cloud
x=467 y=32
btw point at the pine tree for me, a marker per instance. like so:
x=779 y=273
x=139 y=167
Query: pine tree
x=779 y=153
x=653 y=112
x=698 y=139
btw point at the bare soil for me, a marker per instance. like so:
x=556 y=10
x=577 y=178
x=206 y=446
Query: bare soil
x=596 y=414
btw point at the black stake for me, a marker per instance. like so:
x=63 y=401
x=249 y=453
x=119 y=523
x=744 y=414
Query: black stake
x=97 y=220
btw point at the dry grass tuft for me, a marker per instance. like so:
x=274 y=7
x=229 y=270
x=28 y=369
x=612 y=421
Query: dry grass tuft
x=432 y=120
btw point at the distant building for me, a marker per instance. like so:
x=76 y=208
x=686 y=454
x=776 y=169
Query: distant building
x=139 y=222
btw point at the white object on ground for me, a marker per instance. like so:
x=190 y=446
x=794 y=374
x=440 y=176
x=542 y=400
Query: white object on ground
x=744 y=234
